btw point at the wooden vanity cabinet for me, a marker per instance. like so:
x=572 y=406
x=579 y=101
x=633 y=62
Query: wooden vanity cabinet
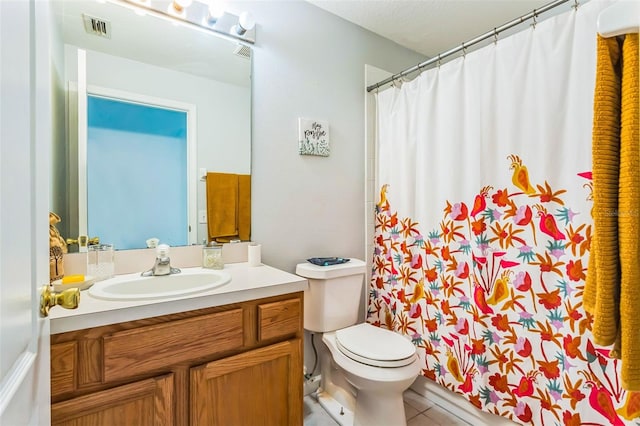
x=238 y=364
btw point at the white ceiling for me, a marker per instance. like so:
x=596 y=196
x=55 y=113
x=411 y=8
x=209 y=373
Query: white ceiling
x=429 y=27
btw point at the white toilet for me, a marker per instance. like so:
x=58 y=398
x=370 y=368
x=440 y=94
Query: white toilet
x=367 y=368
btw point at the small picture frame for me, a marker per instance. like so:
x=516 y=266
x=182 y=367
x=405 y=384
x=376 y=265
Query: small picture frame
x=313 y=137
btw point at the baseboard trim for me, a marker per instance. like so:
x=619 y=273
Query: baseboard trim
x=457 y=404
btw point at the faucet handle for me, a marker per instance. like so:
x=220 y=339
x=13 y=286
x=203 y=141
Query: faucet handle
x=162 y=250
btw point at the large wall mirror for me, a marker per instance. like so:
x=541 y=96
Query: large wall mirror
x=161 y=104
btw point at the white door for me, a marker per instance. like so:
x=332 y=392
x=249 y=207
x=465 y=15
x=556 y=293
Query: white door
x=25 y=123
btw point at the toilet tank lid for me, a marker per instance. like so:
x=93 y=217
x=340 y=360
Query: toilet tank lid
x=352 y=267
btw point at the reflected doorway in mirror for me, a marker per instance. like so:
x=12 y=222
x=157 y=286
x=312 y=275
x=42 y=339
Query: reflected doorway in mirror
x=137 y=160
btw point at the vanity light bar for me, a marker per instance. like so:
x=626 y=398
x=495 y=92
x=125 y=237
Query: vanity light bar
x=197 y=13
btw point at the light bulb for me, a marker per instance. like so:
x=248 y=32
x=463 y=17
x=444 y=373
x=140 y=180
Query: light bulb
x=215 y=12
x=180 y=5
x=247 y=21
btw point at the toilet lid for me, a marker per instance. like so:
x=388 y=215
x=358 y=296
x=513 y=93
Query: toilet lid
x=375 y=346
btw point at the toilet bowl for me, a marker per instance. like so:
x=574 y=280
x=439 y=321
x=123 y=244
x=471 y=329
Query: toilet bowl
x=365 y=369
x=379 y=369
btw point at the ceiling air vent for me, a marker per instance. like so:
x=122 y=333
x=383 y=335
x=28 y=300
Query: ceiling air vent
x=243 y=51
x=97 y=26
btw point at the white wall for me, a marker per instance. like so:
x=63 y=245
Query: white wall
x=310 y=63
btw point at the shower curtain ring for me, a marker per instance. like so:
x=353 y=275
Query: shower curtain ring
x=464 y=51
x=575 y=4
x=439 y=60
x=535 y=19
x=495 y=35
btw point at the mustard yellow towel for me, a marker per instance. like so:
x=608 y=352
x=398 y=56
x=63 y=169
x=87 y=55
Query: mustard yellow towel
x=222 y=205
x=602 y=286
x=612 y=290
x=244 y=207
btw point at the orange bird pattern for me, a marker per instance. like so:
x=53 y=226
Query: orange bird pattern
x=520 y=177
x=491 y=300
x=631 y=408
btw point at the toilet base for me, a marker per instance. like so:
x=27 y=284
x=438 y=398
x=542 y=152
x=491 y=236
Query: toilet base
x=374 y=409
x=371 y=411
x=338 y=412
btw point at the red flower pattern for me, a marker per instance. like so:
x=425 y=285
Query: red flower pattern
x=492 y=299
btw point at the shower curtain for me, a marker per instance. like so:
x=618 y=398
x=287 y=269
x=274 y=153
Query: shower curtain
x=483 y=226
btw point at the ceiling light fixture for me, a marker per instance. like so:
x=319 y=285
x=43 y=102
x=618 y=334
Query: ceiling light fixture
x=206 y=14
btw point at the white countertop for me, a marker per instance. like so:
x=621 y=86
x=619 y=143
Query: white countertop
x=247 y=283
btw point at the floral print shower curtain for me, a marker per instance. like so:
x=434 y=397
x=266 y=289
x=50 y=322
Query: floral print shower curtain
x=483 y=227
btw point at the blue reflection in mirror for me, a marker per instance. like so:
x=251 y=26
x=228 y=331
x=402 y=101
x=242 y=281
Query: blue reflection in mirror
x=136 y=173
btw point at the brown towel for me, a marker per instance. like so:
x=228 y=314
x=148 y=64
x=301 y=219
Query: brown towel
x=228 y=207
x=613 y=279
x=222 y=205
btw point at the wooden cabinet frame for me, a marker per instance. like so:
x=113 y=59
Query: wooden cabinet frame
x=113 y=361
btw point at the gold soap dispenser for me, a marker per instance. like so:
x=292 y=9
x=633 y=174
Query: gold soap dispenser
x=57 y=249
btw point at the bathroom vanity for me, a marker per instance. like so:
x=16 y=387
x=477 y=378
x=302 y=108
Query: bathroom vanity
x=230 y=356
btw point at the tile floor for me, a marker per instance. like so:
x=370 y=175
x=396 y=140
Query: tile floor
x=419 y=412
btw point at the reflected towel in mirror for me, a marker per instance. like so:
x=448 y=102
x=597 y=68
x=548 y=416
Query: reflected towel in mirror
x=228 y=206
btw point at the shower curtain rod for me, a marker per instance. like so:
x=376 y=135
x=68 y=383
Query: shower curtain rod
x=466 y=44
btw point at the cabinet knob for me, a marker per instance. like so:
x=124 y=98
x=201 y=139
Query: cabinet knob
x=68 y=299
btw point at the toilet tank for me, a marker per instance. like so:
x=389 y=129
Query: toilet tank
x=333 y=298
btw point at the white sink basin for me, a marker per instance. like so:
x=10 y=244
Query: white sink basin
x=136 y=287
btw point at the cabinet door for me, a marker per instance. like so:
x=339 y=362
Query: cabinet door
x=147 y=402
x=259 y=387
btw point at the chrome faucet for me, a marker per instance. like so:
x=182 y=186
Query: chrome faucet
x=162 y=265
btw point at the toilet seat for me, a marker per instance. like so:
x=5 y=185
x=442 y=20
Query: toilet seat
x=370 y=345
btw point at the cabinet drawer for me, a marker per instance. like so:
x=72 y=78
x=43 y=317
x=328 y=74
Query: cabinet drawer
x=145 y=349
x=279 y=319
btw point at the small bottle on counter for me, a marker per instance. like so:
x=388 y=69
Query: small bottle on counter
x=212 y=256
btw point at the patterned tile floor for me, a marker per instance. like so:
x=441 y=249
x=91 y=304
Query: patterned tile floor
x=418 y=410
